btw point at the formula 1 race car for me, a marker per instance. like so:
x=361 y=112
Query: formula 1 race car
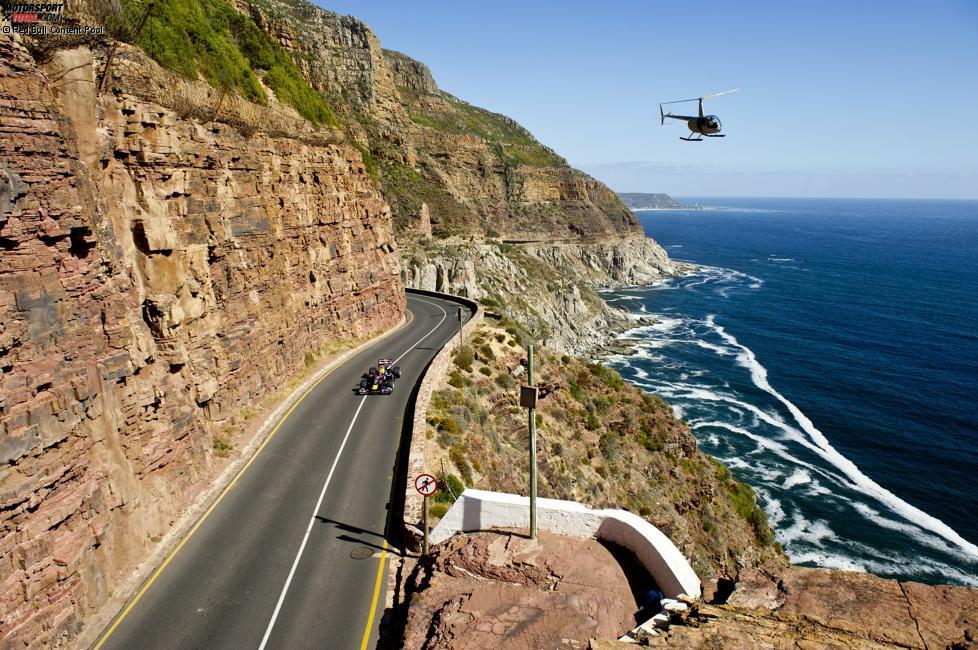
x=379 y=379
x=385 y=367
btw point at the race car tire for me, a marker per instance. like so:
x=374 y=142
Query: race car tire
x=396 y=371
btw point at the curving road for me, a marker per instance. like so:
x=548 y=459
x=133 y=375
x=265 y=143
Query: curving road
x=274 y=563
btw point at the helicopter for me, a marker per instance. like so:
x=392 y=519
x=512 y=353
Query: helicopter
x=704 y=125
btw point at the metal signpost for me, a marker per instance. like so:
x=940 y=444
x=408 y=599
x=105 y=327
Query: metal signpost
x=528 y=400
x=459 y=328
x=426 y=485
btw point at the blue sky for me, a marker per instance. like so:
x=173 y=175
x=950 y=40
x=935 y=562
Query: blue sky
x=875 y=99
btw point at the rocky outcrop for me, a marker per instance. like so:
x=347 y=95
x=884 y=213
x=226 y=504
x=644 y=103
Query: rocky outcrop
x=550 y=288
x=491 y=590
x=820 y=608
x=157 y=276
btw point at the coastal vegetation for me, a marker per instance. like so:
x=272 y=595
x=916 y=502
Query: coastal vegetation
x=512 y=143
x=209 y=39
x=601 y=441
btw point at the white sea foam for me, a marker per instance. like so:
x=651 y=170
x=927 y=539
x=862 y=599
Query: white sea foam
x=911 y=513
x=812 y=532
x=666 y=324
x=816 y=489
x=798 y=477
x=772 y=507
x=830 y=561
x=918 y=535
x=768 y=444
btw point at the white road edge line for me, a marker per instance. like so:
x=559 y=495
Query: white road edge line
x=329 y=477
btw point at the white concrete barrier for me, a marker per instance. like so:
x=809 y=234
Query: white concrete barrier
x=483 y=510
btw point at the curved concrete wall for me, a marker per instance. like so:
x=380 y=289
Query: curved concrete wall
x=483 y=510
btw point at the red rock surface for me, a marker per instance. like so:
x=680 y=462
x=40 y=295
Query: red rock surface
x=157 y=276
x=824 y=608
x=496 y=590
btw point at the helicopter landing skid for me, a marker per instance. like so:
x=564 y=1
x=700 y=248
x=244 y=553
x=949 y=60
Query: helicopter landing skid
x=692 y=139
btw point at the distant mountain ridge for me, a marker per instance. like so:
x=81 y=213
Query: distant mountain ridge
x=649 y=201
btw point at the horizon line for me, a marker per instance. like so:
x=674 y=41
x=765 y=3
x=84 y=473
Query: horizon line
x=815 y=198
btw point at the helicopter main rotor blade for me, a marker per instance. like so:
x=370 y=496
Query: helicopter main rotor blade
x=680 y=101
x=725 y=92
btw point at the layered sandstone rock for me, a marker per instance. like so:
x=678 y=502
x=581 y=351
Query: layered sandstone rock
x=820 y=608
x=157 y=275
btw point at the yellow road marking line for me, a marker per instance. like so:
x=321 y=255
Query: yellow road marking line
x=173 y=553
x=373 y=604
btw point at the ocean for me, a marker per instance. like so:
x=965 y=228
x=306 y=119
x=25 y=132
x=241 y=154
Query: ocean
x=827 y=352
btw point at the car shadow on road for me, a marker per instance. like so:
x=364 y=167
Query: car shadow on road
x=356 y=534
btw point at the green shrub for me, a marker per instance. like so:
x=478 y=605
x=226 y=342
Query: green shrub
x=592 y=422
x=745 y=503
x=505 y=380
x=210 y=39
x=645 y=511
x=464 y=358
x=438 y=510
x=602 y=404
x=452 y=487
x=448 y=425
x=564 y=359
x=370 y=164
x=486 y=370
x=486 y=351
x=611 y=378
x=577 y=392
x=457 y=380
x=309 y=359
x=610 y=446
x=457 y=455
x=500 y=337
x=222 y=447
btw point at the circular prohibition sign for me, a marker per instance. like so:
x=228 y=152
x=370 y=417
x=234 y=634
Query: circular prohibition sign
x=425 y=484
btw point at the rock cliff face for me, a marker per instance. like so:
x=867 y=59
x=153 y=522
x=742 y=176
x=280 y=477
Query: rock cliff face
x=466 y=185
x=548 y=287
x=157 y=276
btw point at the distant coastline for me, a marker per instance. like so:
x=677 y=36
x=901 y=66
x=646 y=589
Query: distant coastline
x=654 y=201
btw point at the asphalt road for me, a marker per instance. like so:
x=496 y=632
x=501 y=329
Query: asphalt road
x=274 y=564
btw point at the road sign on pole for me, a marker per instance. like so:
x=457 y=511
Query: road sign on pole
x=426 y=485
